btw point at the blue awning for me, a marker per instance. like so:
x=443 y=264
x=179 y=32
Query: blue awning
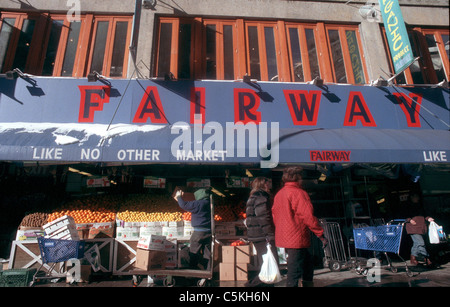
x=153 y=144
x=151 y=121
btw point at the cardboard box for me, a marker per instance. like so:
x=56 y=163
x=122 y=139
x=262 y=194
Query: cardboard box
x=66 y=232
x=53 y=226
x=150 y=230
x=101 y=230
x=227 y=271
x=150 y=259
x=188 y=229
x=28 y=233
x=233 y=271
x=241 y=271
x=131 y=233
x=236 y=254
x=152 y=242
x=173 y=232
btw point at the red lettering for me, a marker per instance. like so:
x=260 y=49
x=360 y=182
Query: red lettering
x=246 y=104
x=150 y=107
x=329 y=155
x=410 y=108
x=303 y=106
x=92 y=99
x=357 y=110
x=197 y=104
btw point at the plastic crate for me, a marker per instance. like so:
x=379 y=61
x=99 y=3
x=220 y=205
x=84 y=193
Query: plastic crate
x=17 y=277
x=54 y=250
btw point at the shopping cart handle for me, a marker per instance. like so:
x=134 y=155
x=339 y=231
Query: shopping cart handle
x=397 y=221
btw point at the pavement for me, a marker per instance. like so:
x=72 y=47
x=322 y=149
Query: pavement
x=376 y=276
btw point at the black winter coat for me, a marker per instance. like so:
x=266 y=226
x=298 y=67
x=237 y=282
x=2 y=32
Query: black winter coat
x=259 y=217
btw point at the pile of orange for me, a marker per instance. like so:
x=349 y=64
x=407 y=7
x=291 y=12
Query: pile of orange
x=83 y=216
x=187 y=216
x=149 y=208
x=92 y=209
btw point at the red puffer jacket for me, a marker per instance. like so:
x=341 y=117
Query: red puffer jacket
x=293 y=216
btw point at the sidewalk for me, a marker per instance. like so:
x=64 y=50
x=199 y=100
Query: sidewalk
x=422 y=277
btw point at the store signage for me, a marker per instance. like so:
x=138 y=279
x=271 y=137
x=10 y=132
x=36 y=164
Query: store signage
x=220 y=122
x=303 y=105
x=397 y=35
x=330 y=155
x=434 y=156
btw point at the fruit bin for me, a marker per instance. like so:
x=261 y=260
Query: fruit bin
x=17 y=277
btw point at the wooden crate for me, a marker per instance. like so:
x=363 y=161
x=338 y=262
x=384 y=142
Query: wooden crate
x=124 y=257
x=26 y=254
x=106 y=249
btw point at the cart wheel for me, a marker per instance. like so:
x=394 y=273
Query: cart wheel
x=359 y=270
x=409 y=273
x=169 y=281
x=202 y=283
x=393 y=269
x=136 y=280
x=335 y=266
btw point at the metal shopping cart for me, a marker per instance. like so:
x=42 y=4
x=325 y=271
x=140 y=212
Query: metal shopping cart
x=336 y=258
x=384 y=238
x=54 y=251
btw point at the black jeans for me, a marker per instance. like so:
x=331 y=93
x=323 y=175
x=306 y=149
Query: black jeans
x=299 y=265
x=200 y=249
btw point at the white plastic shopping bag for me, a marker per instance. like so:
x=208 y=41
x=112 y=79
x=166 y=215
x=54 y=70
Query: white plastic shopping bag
x=270 y=273
x=436 y=233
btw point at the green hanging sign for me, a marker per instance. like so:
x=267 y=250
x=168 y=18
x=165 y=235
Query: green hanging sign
x=397 y=35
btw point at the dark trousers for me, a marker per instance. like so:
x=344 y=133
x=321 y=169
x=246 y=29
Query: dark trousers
x=299 y=265
x=200 y=249
x=261 y=249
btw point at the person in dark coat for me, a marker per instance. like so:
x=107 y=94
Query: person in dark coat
x=260 y=228
x=416 y=227
x=200 y=241
x=294 y=219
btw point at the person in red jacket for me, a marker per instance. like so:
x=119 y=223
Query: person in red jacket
x=294 y=220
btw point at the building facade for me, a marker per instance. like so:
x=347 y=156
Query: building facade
x=287 y=41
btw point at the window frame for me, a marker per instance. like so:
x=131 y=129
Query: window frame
x=109 y=44
x=304 y=52
x=425 y=63
x=83 y=57
x=220 y=57
x=241 y=58
x=345 y=52
x=263 y=67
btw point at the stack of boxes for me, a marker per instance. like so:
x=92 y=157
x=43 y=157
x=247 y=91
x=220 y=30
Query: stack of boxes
x=63 y=228
x=156 y=252
x=150 y=253
x=235 y=262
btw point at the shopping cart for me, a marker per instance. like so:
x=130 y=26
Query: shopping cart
x=54 y=251
x=384 y=238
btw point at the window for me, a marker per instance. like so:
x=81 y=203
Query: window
x=109 y=54
x=346 y=62
x=303 y=53
x=265 y=50
x=262 y=47
x=51 y=45
x=432 y=48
